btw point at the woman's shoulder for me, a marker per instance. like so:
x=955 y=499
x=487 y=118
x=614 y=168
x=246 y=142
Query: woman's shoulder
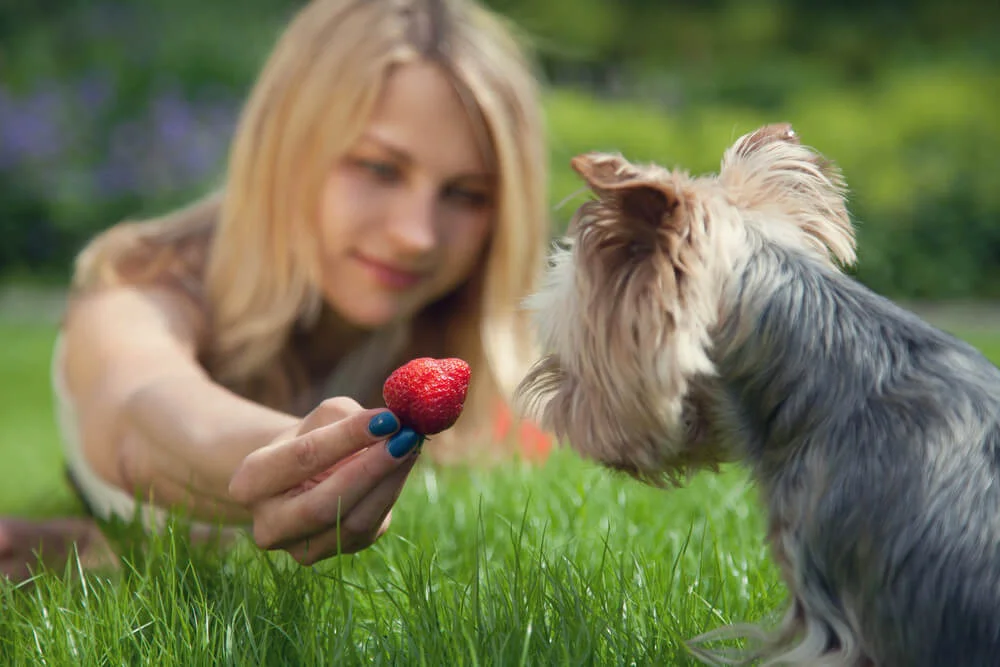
x=170 y=247
x=166 y=256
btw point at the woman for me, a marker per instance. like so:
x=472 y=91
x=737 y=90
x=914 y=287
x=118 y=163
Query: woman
x=385 y=199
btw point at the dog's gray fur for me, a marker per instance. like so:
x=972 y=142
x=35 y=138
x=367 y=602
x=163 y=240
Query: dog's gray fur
x=874 y=437
x=878 y=436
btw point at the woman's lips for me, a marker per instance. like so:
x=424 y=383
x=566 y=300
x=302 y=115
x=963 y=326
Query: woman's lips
x=389 y=276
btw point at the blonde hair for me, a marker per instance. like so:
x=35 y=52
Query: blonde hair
x=258 y=272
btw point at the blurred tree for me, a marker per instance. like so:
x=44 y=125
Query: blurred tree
x=114 y=108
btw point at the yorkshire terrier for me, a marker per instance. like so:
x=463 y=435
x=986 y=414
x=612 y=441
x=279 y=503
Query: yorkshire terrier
x=687 y=322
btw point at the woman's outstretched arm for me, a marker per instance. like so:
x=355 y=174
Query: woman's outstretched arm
x=151 y=419
x=148 y=415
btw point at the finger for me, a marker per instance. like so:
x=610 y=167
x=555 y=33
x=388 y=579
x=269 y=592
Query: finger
x=371 y=512
x=281 y=466
x=289 y=518
x=328 y=545
x=360 y=528
x=329 y=411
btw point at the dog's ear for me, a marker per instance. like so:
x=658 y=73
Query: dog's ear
x=765 y=135
x=636 y=192
x=782 y=133
x=770 y=170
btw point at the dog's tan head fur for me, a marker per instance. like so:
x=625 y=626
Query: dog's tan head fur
x=626 y=314
x=789 y=193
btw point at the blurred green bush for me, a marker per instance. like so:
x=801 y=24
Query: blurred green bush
x=109 y=110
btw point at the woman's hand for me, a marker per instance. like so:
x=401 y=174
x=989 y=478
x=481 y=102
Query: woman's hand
x=336 y=470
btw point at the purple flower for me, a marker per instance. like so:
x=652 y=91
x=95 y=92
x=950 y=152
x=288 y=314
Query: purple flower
x=31 y=131
x=94 y=90
x=58 y=131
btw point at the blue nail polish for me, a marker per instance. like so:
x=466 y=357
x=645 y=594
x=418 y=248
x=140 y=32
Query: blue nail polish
x=404 y=442
x=383 y=424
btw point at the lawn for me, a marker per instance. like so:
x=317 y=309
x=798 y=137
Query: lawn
x=560 y=563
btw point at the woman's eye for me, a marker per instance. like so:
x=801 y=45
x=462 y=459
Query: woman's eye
x=384 y=171
x=469 y=197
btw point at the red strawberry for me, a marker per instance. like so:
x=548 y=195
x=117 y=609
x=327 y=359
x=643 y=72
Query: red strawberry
x=428 y=394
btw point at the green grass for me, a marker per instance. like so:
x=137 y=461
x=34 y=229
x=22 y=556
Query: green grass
x=554 y=564
x=32 y=481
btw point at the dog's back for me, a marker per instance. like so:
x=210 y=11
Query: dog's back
x=926 y=520
x=895 y=498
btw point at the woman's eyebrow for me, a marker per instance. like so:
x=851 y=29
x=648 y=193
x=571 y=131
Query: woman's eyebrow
x=395 y=151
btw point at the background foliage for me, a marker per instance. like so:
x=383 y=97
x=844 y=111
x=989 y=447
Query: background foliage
x=115 y=109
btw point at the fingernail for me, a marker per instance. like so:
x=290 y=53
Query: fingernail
x=404 y=442
x=383 y=424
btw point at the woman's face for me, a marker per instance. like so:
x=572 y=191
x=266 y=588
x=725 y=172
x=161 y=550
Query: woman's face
x=406 y=214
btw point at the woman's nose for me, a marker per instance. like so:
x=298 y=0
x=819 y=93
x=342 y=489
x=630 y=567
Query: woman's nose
x=412 y=227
